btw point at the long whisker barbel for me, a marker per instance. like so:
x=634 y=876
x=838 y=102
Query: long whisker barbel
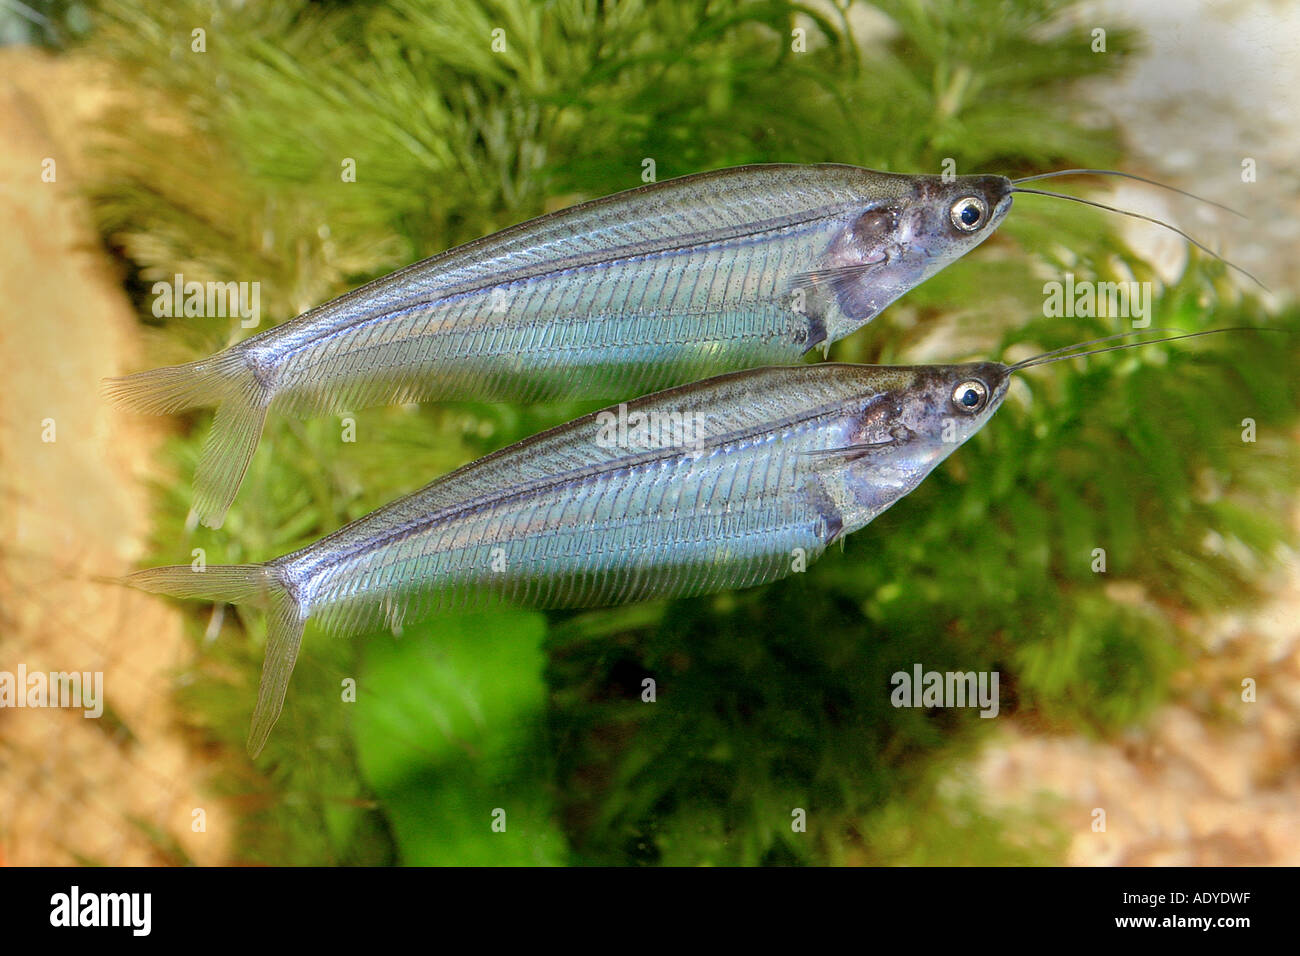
x=1081 y=345
x=1137 y=215
x=1133 y=176
x=1047 y=358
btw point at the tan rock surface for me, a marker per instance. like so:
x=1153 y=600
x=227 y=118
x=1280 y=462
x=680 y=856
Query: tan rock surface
x=121 y=789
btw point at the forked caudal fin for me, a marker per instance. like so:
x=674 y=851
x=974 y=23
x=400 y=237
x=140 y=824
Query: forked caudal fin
x=226 y=381
x=237 y=584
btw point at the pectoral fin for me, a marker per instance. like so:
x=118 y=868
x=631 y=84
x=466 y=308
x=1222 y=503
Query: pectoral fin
x=899 y=436
x=846 y=285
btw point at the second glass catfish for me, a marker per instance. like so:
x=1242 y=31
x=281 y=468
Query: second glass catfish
x=652 y=287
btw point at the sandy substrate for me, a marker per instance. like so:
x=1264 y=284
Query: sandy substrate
x=121 y=789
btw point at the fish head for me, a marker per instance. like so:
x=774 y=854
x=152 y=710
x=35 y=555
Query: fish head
x=901 y=237
x=944 y=220
x=947 y=404
x=909 y=422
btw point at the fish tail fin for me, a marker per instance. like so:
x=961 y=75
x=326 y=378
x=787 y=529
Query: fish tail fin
x=236 y=430
x=236 y=584
x=163 y=391
x=226 y=380
x=284 y=626
x=226 y=583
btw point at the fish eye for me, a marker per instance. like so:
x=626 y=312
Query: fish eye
x=970 y=396
x=969 y=213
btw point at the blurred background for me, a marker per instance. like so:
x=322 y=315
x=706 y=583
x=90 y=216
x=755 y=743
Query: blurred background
x=142 y=140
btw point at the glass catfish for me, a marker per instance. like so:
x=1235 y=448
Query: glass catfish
x=727 y=483
x=651 y=287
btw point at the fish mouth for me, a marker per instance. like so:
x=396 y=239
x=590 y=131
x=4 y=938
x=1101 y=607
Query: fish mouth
x=1002 y=208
